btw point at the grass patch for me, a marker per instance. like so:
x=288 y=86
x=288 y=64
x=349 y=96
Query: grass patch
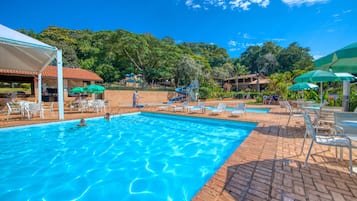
x=12 y=90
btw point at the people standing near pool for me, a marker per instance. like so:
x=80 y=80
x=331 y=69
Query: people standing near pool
x=82 y=122
x=135 y=98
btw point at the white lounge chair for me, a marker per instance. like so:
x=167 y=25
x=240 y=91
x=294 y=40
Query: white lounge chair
x=166 y=107
x=199 y=108
x=220 y=108
x=181 y=108
x=240 y=110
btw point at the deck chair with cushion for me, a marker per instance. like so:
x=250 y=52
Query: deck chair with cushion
x=220 y=108
x=329 y=140
x=239 y=110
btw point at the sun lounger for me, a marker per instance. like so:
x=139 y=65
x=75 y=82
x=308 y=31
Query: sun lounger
x=220 y=108
x=240 y=110
x=199 y=108
x=166 y=107
x=181 y=108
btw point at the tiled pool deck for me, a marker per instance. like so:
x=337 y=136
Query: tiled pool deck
x=267 y=166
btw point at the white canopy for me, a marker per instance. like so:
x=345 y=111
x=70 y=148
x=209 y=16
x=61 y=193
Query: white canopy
x=21 y=52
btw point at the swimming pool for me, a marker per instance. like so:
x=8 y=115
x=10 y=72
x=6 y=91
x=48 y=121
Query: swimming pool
x=141 y=156
x=247 y=109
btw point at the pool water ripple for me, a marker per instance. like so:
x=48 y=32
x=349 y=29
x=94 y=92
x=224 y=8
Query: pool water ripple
x=133 y=157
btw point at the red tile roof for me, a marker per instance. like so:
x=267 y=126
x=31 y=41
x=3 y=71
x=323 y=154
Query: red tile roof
x=72 y=73
x=51 y=72
x=17 y=72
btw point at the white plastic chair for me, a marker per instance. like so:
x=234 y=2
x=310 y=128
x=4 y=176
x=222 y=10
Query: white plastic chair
x=181 y=108
x=12 y=108
x=292 y=113
x=329 y=140
x=34 y=108
x=220 y=108
x=48 y=107
x=100 y=106
x=240 y=110
x=199 y=108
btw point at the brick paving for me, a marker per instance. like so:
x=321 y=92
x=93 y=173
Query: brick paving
x=268 y=165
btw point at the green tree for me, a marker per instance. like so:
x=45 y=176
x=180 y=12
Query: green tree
x=294 y=57
x=249 y=57
x=63 y=39
x=267 y=64
x=187 y=69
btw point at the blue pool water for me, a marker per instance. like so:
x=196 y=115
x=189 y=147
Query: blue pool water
x=254 y=110
x=142 y=156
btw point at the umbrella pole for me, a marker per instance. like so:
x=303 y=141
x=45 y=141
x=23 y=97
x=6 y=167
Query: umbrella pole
x=346 y=94
x=321 y=95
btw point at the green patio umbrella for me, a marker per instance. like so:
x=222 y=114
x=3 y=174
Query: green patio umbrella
x=94 y=89
x=342 y=60
x=346 y=77
x=77 y=90
x=318 y=76
x=302 y=86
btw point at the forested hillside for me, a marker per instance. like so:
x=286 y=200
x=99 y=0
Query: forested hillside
x=112 y=54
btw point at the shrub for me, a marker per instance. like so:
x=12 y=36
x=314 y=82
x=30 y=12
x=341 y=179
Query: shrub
x=25 y=85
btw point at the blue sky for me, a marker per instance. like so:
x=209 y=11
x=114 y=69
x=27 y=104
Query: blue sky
x=322 y=25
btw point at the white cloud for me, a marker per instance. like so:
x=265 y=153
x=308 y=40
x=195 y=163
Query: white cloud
x=244 y=4
x=317 y=56
x=234 y=4
x=246 y=36
x=338 y=17
x=232 y=43
x=236 y=46
x=278 y=39
x=262 y=3
x=190 y=3
x=301 y=2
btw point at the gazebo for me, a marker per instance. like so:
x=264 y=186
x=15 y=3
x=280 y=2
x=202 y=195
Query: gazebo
x=21 y=52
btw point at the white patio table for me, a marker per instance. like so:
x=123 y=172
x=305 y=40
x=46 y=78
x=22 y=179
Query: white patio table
x=351 y=135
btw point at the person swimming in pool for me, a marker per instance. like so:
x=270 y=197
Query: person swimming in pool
x=82 y=122
x=107 y=116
